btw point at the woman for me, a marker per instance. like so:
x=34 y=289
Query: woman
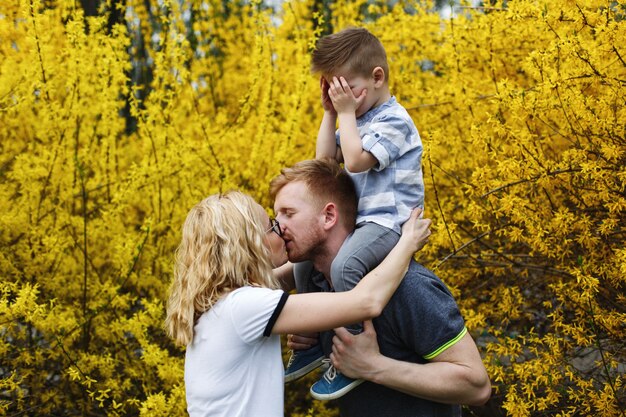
x=227 y=307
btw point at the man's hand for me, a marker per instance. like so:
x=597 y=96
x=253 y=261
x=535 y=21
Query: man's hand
x=302 y=341
x=342 y=97
x=355 y=355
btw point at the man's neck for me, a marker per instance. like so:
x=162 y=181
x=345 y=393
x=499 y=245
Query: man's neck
x=326 y=255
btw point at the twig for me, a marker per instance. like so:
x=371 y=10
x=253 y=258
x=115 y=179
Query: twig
x=619 y=56
x=39 y=55
x=466 y=244
x=443 y=216
x=491 y=9
x=605 y=365
x=536 y=177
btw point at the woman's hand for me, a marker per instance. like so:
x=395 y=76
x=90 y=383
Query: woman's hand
x=416 y=230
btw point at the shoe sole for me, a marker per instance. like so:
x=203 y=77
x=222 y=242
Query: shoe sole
x=304 y=370
x=337 y=394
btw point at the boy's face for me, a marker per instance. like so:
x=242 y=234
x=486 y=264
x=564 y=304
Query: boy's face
x=357 y=83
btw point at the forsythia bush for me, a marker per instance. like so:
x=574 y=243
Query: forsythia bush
x=522 y=110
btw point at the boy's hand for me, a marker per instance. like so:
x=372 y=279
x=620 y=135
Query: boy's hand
x=327 y=104
x=342 y=97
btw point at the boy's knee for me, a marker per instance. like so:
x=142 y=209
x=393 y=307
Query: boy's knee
x=346 y=275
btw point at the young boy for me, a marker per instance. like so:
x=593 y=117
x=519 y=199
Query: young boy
x=381 y=150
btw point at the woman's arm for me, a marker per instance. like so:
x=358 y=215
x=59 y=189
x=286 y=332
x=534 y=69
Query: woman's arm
x=313 y=312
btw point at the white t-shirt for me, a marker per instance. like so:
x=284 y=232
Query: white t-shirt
x=233 y=366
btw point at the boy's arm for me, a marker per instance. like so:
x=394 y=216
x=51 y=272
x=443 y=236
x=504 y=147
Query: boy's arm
x=326 y=145
x=356 y=159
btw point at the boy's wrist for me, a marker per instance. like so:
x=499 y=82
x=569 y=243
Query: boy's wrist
x=330 y=115
x=346 y=114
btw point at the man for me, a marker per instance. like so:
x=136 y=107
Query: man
x=419 y=360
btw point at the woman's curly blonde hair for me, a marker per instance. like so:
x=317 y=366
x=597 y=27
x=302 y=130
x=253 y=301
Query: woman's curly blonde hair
x=222 y=249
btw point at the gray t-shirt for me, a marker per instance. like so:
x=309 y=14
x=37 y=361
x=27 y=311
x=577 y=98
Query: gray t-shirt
x=420 y=318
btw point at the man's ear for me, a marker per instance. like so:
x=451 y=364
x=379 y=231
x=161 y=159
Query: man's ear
x=379 y=76
x=330 y=214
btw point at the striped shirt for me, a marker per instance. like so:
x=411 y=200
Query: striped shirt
x=389 y=191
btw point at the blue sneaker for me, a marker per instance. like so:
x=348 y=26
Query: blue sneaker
x=333 y=385
x=302 y=362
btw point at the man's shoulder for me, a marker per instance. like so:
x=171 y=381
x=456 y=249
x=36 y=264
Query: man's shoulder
x=421 y=316
x=418 y=275
x=420 y=283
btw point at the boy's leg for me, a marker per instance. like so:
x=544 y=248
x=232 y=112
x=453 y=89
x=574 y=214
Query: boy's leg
x=362 y=251
x=302 y=362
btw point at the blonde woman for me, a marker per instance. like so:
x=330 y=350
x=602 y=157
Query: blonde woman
x=228 y=309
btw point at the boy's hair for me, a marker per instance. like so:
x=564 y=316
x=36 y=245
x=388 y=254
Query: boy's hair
x=356 y=47
x=222 y=248
x=326 y=182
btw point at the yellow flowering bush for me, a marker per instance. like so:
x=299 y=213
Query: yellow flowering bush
x=111 y=130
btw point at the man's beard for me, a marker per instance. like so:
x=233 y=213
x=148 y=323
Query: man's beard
x=309 y=249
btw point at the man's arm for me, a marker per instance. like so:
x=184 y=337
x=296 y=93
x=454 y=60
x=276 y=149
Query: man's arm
x=455 y=376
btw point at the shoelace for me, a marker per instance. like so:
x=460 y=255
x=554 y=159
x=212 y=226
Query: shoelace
x=291 y=359
x=331 y=372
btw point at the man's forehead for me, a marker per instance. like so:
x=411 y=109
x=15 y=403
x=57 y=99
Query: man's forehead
x=295 y=187
x=293 y=195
